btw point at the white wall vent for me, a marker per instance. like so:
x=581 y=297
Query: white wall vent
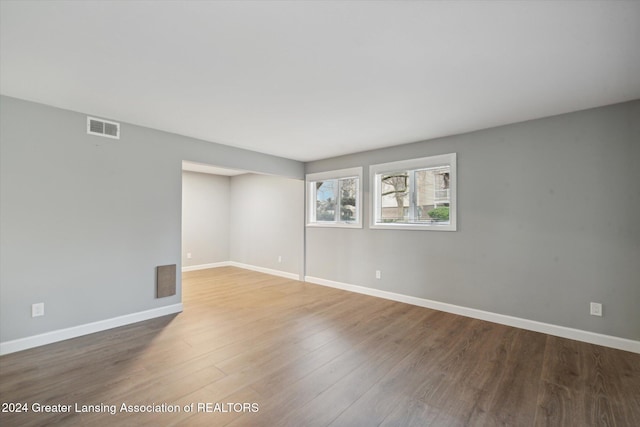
x=103 y=127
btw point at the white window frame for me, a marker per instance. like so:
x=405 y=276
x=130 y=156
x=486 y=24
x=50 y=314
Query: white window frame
x=376 y=171
x=310 y=181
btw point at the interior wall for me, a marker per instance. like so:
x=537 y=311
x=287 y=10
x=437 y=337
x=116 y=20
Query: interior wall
x=267 y=222
x=205 y=218
x=547 y=220
x=547 y=223
x=85 y=220
x=251 y=219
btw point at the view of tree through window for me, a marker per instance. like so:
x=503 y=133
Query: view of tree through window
x=348 y=193
x=336 y=200
x=333 y=198
x=395 y=196
x=326 y=200
x=415 y=196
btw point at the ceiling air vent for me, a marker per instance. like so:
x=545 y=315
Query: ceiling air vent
x=102 y=127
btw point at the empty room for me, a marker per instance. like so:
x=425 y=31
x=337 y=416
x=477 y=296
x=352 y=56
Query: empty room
x=319 y=213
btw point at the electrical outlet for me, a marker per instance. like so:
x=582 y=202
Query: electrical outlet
x=378 y=275
x=596 y=309
x=280 y=258
x=188 y=255
x=37 y=309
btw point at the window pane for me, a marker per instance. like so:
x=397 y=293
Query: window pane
x=326 y=200
x=415 y=194
x=432 y=195
x=333 y=198
x=348 y=196
x=394 y=197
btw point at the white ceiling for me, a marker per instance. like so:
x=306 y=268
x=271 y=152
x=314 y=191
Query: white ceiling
x=314 y=79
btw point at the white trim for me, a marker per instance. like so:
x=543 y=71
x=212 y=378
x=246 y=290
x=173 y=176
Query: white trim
x=423 y=227
x=411 y=164
x=310 y=195
x=334 y=224
x=206 y=266
x=265 y=270
x=88 y=328
x=531 y=325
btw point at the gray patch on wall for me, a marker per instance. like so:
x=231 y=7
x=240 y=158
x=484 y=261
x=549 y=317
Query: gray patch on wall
x=165 y=280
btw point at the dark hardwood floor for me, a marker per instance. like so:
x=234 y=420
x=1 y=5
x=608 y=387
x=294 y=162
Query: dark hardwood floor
x=307 y=355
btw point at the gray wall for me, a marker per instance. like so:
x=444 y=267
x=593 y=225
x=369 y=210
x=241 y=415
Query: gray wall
x=205 y=218
x=548 y=220
x=85 y=220
x=252 y=219
x=267 y=221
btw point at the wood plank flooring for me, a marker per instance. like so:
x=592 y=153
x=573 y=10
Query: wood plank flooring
x=307 y=355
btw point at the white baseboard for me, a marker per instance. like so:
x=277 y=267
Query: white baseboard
x=88 y=328
x=205 y=266
x=531 y=325
x=265 y=270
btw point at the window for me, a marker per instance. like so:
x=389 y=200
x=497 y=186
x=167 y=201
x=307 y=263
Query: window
x=334 y=198
x=417 y=194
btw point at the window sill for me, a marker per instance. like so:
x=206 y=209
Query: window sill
x=334 y=225
x=430 y=227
